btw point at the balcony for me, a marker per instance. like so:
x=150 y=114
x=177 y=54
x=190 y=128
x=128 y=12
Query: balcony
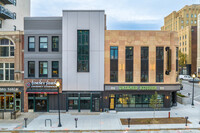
x=5 y=13
x=8 y=2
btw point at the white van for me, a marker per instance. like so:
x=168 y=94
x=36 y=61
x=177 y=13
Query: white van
x=185 y=77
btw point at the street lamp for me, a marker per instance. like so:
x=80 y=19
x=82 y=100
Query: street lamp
x=58 y=85
x=193 y=76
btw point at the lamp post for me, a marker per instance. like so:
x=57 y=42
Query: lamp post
x=58 y=85
x=193 y=76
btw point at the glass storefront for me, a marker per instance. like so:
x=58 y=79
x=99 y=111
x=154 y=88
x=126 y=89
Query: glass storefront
x=134 y=101
x=10 y=101
x=38 y=102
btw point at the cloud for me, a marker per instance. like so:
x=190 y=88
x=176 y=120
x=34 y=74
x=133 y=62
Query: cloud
x=142 y=12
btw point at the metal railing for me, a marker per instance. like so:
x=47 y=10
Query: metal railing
x=6 y=13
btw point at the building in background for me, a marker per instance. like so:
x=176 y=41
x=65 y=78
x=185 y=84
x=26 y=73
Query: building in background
x=11 y=70
x=42 y=63
x=138 y=63
x=184 y=22
x=83 y=59
x=12 y=13
x=198 y=46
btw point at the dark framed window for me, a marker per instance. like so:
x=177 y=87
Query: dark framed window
x=31 y=43
x=43 y=67
x=6 y=48
x=159 y=64
x=176 y=58
x=55 y=67
x=43 y=44
x=83 y=51
x=31 y=69
x=129 y=64
x=113 y=64
x=0 y=23
x=144 y=64
x=55 y=43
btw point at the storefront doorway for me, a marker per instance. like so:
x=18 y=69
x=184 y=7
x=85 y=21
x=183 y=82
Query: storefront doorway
x=85 y=104
x=38 y=103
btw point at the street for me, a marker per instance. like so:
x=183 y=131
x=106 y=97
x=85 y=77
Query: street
x=187 y=88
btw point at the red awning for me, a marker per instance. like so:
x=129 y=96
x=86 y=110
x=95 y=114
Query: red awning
x=42 y=92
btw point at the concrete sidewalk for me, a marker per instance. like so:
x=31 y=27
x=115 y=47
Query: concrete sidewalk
x=109 y=121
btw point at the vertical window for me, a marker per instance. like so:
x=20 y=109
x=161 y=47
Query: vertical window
x=31 y=69
x=176 y=58
x=43 y=66
x=55 y=43
x=0 y=23
x=129 y=64
x=191 y=15
x=55 y=67
x=187 y=21
x=187 y=15
x=113 y=64
x=180 y=37
x=180 y=44
x=83 y=51
x=182 y=21
x=6 y=48
x=183 y=43
x=144 y=64
x=43 y=44
x=195 y=15
x=191 y=21
x=7 y=71
x=159 y=64
x=195 y=21
x=181 y=27
x=31 y=43
x=183 y=37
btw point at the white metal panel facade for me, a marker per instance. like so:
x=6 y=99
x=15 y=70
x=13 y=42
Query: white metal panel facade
x=92 y=20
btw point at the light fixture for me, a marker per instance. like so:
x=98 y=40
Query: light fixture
x=167 y=97
x=193 y=75
x=58 y=84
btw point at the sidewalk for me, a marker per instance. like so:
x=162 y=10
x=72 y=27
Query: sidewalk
x=109 y=121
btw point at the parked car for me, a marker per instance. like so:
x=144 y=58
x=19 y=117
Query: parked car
x=196 y=80
x=185 y=77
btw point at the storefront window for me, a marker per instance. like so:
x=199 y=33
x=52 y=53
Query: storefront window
x=1 y=101
x=7 y=71
x=73 y=104
x=9 y=101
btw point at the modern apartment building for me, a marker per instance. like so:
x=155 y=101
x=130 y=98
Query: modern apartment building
x=42 y=63
x=138 y=63
x=11 y=70
x=12 y=13
x=184 y=22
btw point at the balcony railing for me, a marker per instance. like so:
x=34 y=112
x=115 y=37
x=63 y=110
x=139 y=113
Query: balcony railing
x=8 y=1
x=5 y=13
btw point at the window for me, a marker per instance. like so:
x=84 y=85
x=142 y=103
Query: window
x=195 y=21
x=183 y=43
x=183 y=37
x=31 y=43
x=185 y=49
x=180 y=37
x=129 y=64
x=181 y=27
x=43 y=44
x=176 y=58
x=55 y=66
x=144 y=64
x=0 y=23
x=187 y=21
x=43 y=66
x=31 y=69
x=191 y=21
x=113 y=64
x=187 y=15
x=6 y=48
x=7 y=71
x=159 y=64
x=182 y=21
x=195 y=15
x=83 y=51
x=55 y=43
x=191 y=15
x=180 y=44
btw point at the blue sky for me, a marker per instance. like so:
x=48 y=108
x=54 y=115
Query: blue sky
x=121 y=14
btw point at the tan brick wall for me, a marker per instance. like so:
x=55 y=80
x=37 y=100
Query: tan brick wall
x=152 y=39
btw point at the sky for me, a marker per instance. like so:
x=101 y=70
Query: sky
x=121 y=14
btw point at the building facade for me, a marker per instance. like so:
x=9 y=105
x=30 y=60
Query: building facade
x=12 y=13
x=42 y=63
x=83 y=59
x=138 y=63
x=11 y=70
x=184 y=22
x=198 y=47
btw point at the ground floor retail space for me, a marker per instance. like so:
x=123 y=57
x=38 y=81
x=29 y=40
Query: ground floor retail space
x=135 y=98
x=11 y=98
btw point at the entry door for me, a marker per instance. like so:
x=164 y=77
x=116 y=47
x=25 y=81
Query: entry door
x=1 y=102
x=112 y=103
x=96 y=104
x=17 y=104
x=40 y=105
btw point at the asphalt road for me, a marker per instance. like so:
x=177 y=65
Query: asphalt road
x=187 y=88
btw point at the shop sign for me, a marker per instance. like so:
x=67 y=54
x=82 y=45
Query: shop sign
x=128 y=87
x=132 y=88
x=41 y=84
x=148 y=87
x=9 y=89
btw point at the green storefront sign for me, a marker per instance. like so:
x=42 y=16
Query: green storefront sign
x=137 y=87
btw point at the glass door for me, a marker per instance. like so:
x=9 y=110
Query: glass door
x=9 y=101
x=112 y=103
x=18 y=101
x=1 y=102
